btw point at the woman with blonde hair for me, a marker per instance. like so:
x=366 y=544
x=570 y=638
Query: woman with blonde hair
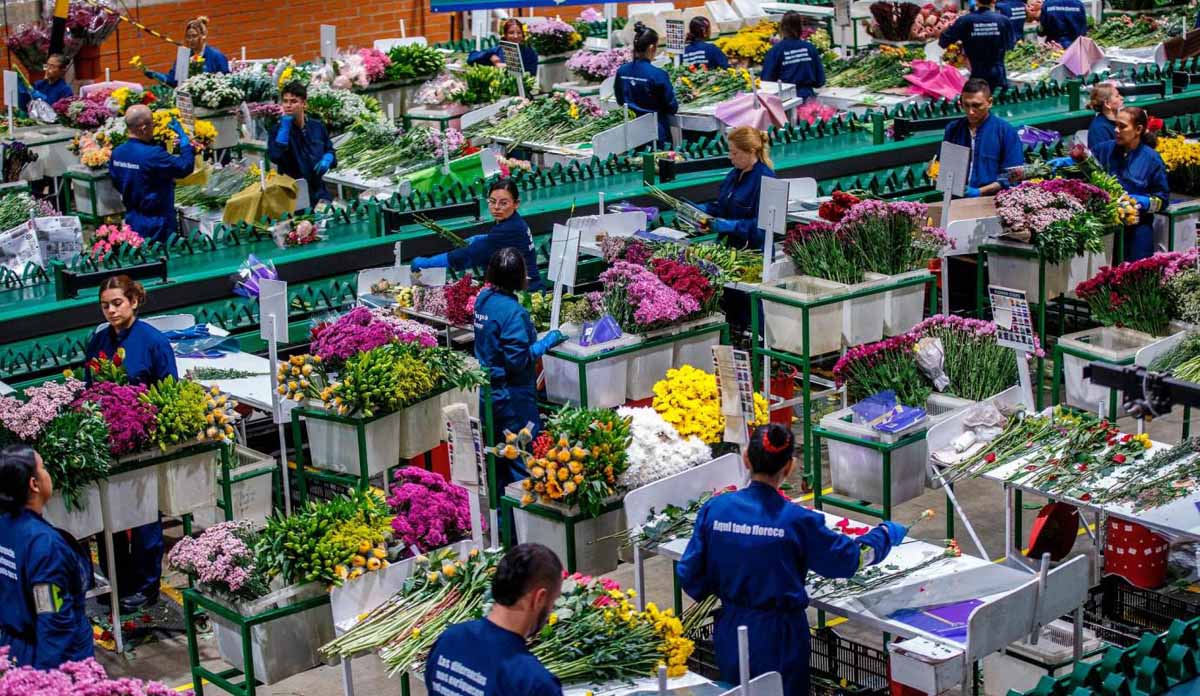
x=195 y=37
x=735 y=212
x=1106 y=101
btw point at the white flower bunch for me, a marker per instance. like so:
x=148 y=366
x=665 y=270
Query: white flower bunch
x=212 y=90
x=656 y=449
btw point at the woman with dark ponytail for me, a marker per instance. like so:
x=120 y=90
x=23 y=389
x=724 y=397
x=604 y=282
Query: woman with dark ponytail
x=754 y=548
x=43 y=577
x=700 y=52
x=644 y=88
x=1132 y=159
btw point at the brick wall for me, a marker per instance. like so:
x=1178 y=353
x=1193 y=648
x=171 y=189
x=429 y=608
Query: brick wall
x=269 y=30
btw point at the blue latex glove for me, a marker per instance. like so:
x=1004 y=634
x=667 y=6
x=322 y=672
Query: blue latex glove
x=178 y=129
x=161 y=77
x=539 y=348
x=1060 y=162
x=723 y=226
x=476 y=239
x=422 y=262
x=40 y=97
x=896 y=532
x=971 y=192
x=324 y=163
x=285 y=130
x=1143 y=202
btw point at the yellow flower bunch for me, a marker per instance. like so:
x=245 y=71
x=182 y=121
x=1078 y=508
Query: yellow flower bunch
x=751 y=43
x=558 y=475
x=689 y=400
x=1177 y=152
x=202 y=135
x=220 y=417
x=1127 y=210
x=286 y=76
x=369 y=542
x=137 y=62
x=301 y=377
x=675 y=648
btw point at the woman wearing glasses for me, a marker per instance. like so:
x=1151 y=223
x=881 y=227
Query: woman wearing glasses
x=510 y=231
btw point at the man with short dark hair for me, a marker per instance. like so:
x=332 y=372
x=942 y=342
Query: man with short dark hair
x=144 y=173
x=300 y=146
x=994 y=144
x=488 y=656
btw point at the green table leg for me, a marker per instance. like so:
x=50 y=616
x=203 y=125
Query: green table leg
x=676 y=590
x=572 y=561
x=1055 y=376
x=189 y=614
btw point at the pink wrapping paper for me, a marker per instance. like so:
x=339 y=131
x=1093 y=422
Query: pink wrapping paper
x=930 y=79
x=1081 y=56
x=758 y=110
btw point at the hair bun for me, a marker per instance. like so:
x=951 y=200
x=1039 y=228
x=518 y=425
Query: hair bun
x=638 y=28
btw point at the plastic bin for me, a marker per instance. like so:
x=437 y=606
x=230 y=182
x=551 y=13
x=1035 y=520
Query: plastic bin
x=108 y=201
x=647 y=367
x=696 y=351
x=421 y=427
x=251 y=499
x=226 y=124
x=1107 y=343
x=607 y=379
x=594 y=554
x=1185 y=231
x=1022 y=274
x=132 y=499
x=783 y=324
x=283 y=647
x=862 y=318
x=78 y=523
x=1002 y=672
x=334 y=446
x=857 y=471
x=188 y=483
x=905 y=308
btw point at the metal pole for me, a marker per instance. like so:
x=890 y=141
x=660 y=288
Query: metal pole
x=277 y=414
x=1043 y=573
x=662 y=679
x=958 y=508
x=639 y=576
x=743 y=635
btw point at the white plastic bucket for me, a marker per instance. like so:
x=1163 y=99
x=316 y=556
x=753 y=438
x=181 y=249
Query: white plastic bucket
x=188 y=483
x=78 y=523
x=334 y=446
x=783 y=324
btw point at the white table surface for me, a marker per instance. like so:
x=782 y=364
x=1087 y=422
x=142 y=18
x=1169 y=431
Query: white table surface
x=252 y=391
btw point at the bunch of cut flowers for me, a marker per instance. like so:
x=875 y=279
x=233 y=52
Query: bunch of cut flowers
x=70 y=678
x=1054 y=215
x=592 y=66
x=553 y=36
x=749 y=44
x=1135 y=294
x=113 y=239
x=697 y=86
x=669 y=291
x=430 y=512
x=222 y=560
x=131 y=421
x=186 y=412
x=656 y=449
x=339 y=109
x=484 y=84
x=413 y=61
x=689 y=400
x=893 y=237
x=565 y=119
x=212 y=90
x=82 y=112
x=1182 y=159
x=362 y=329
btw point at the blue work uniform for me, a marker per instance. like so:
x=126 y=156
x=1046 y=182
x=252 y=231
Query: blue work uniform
x=43 y=579
x=986 y=36
x=529 y=58
x=737 y=200
x=299 y=157
x=796 y=62
x=1101 y=130
x=703 y=54
x=753 y=549
x=479 y=657
x=647 y=89
x=1015 y=11
x=509 y=232
x=148 y=359
x=1063 y=21
x=1141 y=173
x=52 y=91
x=144 y=174
x=995 y=148
x=214 y=62
x=504 y=336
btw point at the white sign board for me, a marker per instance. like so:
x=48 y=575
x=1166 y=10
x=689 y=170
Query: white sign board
x=272 y=302
x=841 y=13
x=328 y=41
x=772 y=219
x=625 y=137
x=464 y=445
x=187 y=113
x=396 y=275
x=564 y=252
x=10 y=88
x=489 y=162
x=59 y=238
x=183 y=57
x=19 y=247
x=512 y=58
x=1014 y=323
x=954 y=163
x=676 y=35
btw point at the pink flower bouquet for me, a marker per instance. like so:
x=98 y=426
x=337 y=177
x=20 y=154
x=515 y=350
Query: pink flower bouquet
x=110 y=238
x=640 y=301
x=1134 y=294
x=362 y=329
x=43 y=403
x=74 y=679
x=598 y=67
x=130 y=420
x=430 y=511
x=885 y=365
x=222 y=560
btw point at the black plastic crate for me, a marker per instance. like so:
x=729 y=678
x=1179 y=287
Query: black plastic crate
x=1148 y=610
x=837 y=666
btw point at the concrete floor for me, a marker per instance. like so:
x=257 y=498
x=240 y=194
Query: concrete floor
x=167 y=660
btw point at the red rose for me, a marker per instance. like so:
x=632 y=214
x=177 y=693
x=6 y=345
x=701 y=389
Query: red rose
x=1119 y=458
x=1154 y=124
x=989 y=457
x=1085 y=497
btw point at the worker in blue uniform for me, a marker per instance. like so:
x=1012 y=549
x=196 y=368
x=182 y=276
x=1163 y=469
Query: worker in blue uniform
x=43 y=573
x=699 y=51
x=735 y=212
x=1015 y=11
x=1131 y=158
x=148 y=359
x=299 y=145
x=645 y=88
x=514 y=32
x=144 y=173
x=986 y=35
x=1063 y=21
x=994 y=144
x=195 y=36
x=510 y=230
x=1107 y=102
x=507 y=348
x=490 y=656
x=753 y=549
x=794 y=60
x=51 y=87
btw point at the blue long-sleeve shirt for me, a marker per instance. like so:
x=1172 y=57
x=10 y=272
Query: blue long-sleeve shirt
x=995 y=148
x=986 y=36
x=513 y=232
x=43 y=612
x=737 y=200
x=299 y=157
x=1140 y=171
x=214 y=62
x=704 y=55
x=504 y=335
x=1101 y=130
x=479 y=657
x=1015 y=11
x=144 y=174
x=148 y=354
x=646 y=89
x=52 y=91
x=529 y=58
x=796 y=62
x=1063 y=21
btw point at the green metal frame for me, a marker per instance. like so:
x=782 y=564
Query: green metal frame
x=1057 y=377
x=225 y=679
x=805 y=361
x=227 y=481
x=581 y=362
x=884 y=511
x=90 y=182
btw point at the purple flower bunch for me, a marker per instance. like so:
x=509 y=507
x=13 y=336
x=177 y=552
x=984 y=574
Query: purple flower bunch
x=639 y=301
x=84 y=678
x=1180 y=261
x=553 y=36
x=81 y=112
x=406 y=330
x=882 y=366
x=430 y=511
x=451 y=138
x=360 y=330
x=222 y=559
x=26 y=419
x=591 y=66
x=1028 y=208
x=130 y=420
